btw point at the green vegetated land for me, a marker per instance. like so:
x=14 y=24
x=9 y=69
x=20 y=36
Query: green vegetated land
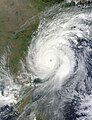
x=13 y=38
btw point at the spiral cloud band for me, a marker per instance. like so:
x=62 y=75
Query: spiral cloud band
x=60 y=58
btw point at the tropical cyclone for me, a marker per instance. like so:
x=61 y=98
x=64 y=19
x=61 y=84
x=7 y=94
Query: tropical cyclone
x=79 y=1
x=60 y=58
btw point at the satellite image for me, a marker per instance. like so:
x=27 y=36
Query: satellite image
x=46 y=60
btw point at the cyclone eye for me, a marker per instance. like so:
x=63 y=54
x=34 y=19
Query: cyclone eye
x=50 y=60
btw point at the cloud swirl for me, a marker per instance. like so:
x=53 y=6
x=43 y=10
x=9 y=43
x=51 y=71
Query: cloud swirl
x=60 y=57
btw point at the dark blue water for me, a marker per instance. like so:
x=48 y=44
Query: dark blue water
x=8 y=113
